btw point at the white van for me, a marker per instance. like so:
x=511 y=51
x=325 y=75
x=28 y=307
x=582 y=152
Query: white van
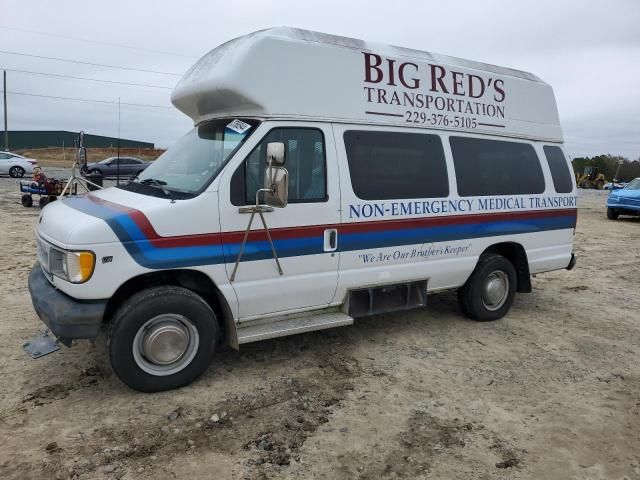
x=372 y=176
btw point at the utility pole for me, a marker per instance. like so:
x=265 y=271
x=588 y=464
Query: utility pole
x=118 y=166
x=4 y=93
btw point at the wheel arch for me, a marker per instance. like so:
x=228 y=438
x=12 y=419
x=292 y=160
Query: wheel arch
x=194 y=280
x=517 y=255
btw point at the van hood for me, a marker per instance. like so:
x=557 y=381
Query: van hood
x=155 y=232
x=87 y=219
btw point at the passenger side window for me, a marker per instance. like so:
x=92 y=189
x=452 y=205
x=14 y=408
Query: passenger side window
x=494 y=167
x=559 y=169
x=304 y=160
x=393 y=165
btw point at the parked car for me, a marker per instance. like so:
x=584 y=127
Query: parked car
x=625 y=201
x=614 y=185
x=109 y=166
x=16 y=165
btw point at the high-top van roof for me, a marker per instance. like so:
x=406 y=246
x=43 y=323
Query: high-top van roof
x=288 y=73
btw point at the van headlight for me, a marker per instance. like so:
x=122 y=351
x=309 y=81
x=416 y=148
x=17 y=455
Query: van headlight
x=72 y=266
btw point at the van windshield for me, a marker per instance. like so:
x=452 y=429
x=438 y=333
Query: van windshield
x=195 y=159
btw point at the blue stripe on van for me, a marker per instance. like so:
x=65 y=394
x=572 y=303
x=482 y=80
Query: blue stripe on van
x=152 y=251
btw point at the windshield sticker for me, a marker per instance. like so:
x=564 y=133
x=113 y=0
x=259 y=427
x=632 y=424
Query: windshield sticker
x=238 y=126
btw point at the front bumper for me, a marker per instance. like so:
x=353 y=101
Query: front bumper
x=66 y=317
x=624 y=204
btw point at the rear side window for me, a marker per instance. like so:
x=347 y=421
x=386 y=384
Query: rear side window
x=559 y=169
x=494 y=167
x=392 y=165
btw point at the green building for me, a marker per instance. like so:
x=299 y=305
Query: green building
x=19 y=139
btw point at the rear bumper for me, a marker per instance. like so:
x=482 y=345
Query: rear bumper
x=67 y=318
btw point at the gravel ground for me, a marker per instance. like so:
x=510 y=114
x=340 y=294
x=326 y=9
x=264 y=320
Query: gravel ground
x=550 y=391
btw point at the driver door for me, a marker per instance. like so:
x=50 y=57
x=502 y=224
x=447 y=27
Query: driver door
x=304 y=232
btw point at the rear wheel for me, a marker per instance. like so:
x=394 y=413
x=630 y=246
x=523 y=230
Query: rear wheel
x=162 y=338
x=16 y=172
x=489 y=292
x=612 y=213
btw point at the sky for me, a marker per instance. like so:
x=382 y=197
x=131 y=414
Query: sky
x=588 y=51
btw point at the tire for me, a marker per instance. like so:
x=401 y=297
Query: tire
x=26 y=200
x=52 y=198
x=43 y=202
x=138 y=321
x=612 y=213
x=16 y=172
x=478 y=304
x=95 y=170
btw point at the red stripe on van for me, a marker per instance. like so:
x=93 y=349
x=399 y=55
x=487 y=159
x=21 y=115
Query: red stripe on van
x=204 y=239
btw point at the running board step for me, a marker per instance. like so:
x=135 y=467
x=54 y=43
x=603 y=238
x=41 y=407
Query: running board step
x=291 y=325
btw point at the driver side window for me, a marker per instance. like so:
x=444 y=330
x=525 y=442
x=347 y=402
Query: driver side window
x=304 y=160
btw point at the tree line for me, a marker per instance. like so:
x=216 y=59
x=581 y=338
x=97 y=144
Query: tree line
x=608 y=165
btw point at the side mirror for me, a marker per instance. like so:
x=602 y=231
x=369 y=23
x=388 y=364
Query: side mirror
x=276 y=178
x=276 y=181
x=275 y=154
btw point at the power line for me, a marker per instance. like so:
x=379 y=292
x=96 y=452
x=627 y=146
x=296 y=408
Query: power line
x=88 y=79
x=90 y=100
x=89 y=63
x=97 y=42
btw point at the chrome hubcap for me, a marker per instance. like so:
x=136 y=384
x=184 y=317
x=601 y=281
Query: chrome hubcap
x=165 y=344
x=495 y=290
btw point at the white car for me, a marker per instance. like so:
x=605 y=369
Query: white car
x=16 y=165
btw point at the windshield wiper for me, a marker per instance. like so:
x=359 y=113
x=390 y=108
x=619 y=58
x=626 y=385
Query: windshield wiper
x=160 y=184
x=132 y=179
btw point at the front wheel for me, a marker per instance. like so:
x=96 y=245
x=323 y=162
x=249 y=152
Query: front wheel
x=489 y=292
x=162 y=338
x=612 y=213
x=16 y=172
x=26 y=200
